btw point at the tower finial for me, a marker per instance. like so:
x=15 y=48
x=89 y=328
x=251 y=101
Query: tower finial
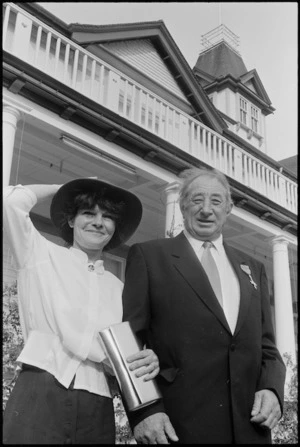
x=220 y=34
x=220 y=14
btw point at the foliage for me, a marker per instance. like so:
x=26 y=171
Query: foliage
x=12 y=345
x=123 y=431
x=12 y=339
x=286 y=431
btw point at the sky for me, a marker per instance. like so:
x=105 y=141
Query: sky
x=268 y=36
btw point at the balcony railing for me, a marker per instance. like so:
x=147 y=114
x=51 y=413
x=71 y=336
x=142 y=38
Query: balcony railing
x=49 y=51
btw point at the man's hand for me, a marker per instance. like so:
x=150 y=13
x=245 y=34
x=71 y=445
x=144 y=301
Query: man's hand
x=155 y=429
x=145 y=363
x=266 y=410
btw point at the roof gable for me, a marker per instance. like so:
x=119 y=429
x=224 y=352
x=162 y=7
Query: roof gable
x=142 y=55
x=252 y=81
x=175 y=65
x=250 y=85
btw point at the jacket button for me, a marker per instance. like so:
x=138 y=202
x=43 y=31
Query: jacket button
x=232 y=347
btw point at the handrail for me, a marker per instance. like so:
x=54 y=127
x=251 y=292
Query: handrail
x=31 y=40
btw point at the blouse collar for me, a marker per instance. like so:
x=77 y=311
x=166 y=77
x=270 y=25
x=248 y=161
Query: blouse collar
x=98 y=266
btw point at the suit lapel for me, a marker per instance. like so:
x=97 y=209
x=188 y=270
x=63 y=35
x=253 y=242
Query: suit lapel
x=246 y=289
x=188 y=265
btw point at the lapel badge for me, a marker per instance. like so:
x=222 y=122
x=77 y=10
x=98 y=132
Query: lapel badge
x=246 y=269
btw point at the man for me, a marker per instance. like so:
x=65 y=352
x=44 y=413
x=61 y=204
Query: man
x=221 y=376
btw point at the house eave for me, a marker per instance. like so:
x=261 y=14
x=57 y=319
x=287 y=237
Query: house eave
x=68 y=103
x=236 y=86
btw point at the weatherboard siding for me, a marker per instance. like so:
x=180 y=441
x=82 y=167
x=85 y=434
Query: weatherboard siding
x=143 y=56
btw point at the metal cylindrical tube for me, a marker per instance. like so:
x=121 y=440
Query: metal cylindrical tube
x=120 y=342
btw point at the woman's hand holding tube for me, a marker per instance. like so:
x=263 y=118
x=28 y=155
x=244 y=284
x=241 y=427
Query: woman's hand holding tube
x=144 y=363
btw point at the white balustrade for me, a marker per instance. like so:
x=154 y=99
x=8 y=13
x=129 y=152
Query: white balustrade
x=54 y=54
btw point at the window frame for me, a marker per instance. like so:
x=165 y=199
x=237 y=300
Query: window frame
x=249 y=117
x=254 y=111
x=243 y=111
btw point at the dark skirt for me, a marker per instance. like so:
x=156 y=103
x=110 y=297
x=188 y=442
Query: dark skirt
x=42 y=411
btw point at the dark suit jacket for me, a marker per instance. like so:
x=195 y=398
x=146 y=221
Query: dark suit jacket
x=208 y=376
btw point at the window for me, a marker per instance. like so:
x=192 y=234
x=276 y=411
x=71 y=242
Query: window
x=254 y=119
x=115 y=265
x=249 y=116
x=243 y=111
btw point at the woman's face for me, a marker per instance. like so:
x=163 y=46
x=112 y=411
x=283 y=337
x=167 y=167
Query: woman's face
x=92 y=228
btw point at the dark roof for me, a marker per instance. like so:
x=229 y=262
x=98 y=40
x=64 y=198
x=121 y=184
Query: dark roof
x=291 y=163
x=83 y=27
x=221 y=60
x=221 y=66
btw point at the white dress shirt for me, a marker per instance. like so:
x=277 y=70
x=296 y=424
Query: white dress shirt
x=62 y=305
x=229 y=282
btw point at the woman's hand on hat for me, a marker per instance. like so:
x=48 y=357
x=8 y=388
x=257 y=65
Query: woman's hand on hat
x=145 y=363
x=44 y=191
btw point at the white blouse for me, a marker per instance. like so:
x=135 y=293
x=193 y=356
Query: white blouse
x=62 y=305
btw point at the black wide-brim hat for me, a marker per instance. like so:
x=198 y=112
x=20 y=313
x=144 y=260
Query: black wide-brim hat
x=127 y=225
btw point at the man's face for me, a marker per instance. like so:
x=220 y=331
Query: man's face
x=205 y=208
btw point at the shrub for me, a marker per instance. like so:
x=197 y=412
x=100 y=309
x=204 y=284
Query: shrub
x=12 y=340
x=123 y=431
x=286 y=431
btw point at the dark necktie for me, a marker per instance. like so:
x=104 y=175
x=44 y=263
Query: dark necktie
x=210 y=267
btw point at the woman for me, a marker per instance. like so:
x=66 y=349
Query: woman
x=66 y=297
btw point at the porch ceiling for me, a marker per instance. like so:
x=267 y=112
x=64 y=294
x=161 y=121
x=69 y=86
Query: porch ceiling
x=41 y=157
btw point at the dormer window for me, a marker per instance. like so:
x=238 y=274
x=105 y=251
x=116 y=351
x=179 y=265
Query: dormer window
x=249 y=117
x=254 y=119
x=249 y=124
x=243 y=111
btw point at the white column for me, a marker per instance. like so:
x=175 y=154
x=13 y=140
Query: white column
x=174 y=222
x=11 y=115
x=284 y=322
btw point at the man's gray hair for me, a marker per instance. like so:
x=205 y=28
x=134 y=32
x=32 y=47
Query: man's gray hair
x=189 y=175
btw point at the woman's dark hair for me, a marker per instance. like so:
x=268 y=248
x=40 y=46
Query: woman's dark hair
x=89 y=201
